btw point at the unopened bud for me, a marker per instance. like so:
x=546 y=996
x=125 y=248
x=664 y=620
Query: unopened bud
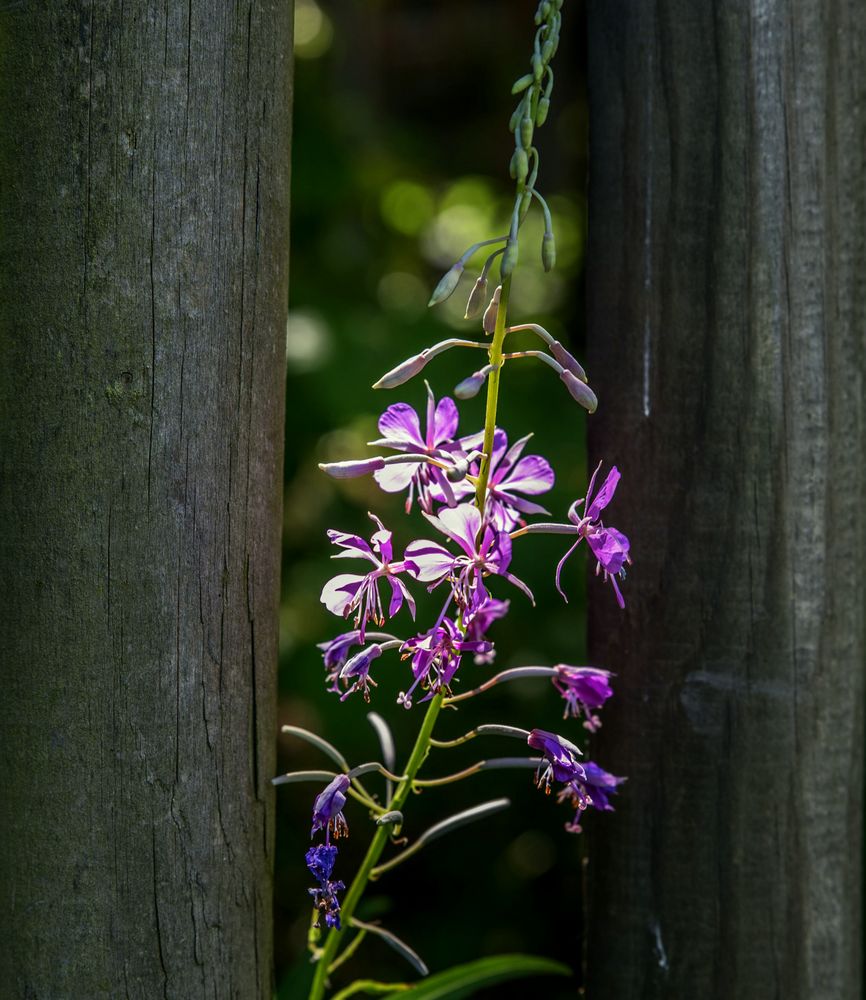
x=403 y=372
x=548 y=251
x=458 y=471
x=489 y=321
x=516 y=116
x=526 y=131
x=476 y=298
x=447 y=283
x=541 y=111
x=519 y=166
x=520 y=85
x=509 y=258
x=579 y=391
x=547 y=51
x=537 y=66
x=470 y=387
x=567 y=359
x=351 y=470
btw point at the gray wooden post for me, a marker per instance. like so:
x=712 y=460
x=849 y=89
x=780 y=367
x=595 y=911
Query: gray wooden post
x=727 y=317
x=144 y=151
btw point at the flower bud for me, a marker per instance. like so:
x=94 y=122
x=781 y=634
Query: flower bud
x=447 y=283
x=547 y=51
x=469 y=388
x=489 y=321
x=516 y=116
x=537 y=66
x=579 y=391
x=403 y=372
x=351 y=470
x=548 y=251
x=519 y=166
x=475 y=305
x=458 y=471
x=526 y=131
x=509 y=258
x=520 y=85
x=541 y=111
x=567 y=359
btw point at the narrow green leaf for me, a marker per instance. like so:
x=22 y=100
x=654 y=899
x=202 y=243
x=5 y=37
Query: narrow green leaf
x=371 y=987
x=411 y=956
x=464 y=980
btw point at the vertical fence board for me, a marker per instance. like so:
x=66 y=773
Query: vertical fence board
x=727 y=318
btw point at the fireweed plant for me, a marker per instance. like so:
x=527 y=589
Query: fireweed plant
x=475 y=494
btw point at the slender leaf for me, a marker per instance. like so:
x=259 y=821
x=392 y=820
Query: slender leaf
x=371 y=987
x=412 y=957
x=464 y=980
x=319 y=743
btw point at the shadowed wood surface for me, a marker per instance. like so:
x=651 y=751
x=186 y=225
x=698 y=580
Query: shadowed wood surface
x=727 y=316
x=144 y=152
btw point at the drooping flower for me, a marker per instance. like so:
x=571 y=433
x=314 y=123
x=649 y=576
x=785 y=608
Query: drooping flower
x=355 y=674
x=510 y=475
x=583 y=689
x=479 y=621
x=436 y=656
x=560 y=758
x=320 y=861
x=400 y=428
x=327 y=809
x=352 y=592
x=609 y=546
x=593 y=790
x=484 y=552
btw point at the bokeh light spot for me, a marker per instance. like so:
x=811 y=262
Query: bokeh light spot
x=406 y=206
x=309 y=341
x=313 y=30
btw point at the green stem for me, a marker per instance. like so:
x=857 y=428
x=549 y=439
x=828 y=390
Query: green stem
x=377 y=845
x=496 y=362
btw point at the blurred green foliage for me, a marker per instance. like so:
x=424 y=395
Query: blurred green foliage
x=400 y=160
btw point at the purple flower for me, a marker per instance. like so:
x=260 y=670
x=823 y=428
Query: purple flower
x=509 y=475
x=480 y=620
x=436 y=656
x=320 y=861
x=355 y=675
x=327 y=809
x=483 y=552
x=590 y=791
x=560 y=758
x=609 y=546
x=350 y=592
x=583 y=689
x=401 y=430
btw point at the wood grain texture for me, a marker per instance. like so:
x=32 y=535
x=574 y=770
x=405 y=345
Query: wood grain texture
x=727 y=317
x=144 y=189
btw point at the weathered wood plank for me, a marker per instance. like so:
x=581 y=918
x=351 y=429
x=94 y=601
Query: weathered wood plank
x=727 y=314
x=143 y=271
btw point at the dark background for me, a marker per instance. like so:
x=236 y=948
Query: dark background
x=400 y=159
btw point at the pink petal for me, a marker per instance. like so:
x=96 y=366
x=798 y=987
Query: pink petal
x=432 y=561
x=444 y=422
x=610 y=547
x=395 y=478
x=532 y=475
x=604 y=495
x=338 y=593
x=399 y=592
x=460 y=524
x=399 y=424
